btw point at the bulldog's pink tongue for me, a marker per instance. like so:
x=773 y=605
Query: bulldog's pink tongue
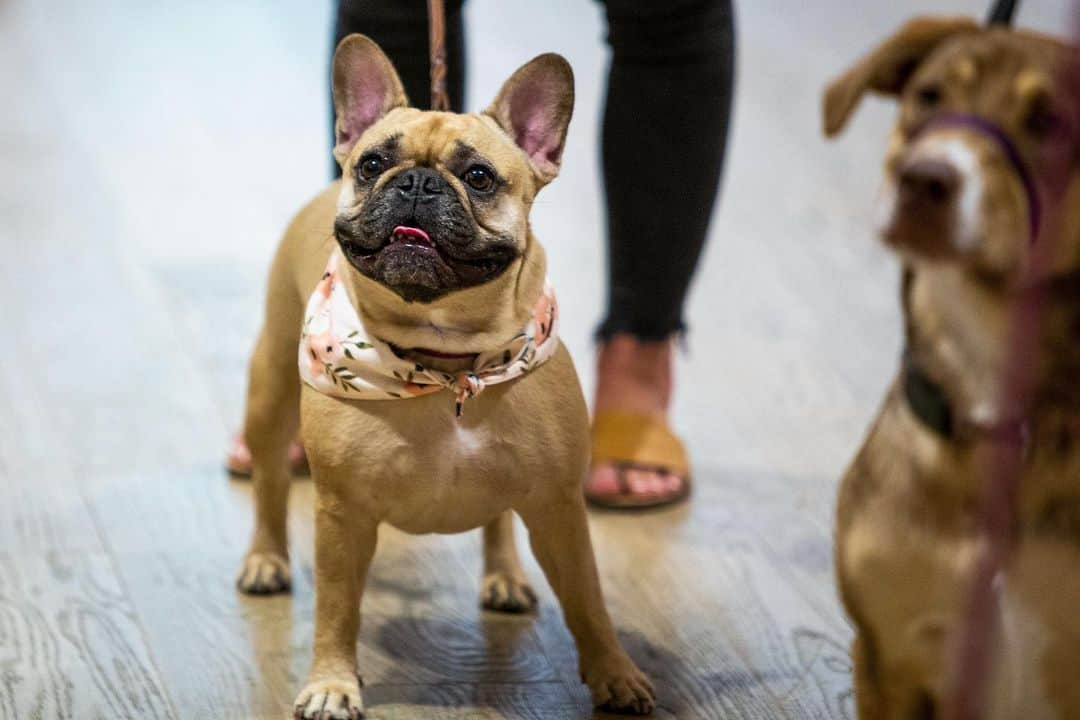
x=412 y=235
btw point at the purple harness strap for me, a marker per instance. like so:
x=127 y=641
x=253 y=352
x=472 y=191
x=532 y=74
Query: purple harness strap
x=1008 y=149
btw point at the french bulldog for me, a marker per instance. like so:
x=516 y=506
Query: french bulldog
x=429 y=230
x=982 y=194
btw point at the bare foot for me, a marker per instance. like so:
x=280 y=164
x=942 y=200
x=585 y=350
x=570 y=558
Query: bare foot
x=238 y=458
x=634 y=376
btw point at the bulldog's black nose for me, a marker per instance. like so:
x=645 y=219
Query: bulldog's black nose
x=420 y=183
x=929 y=183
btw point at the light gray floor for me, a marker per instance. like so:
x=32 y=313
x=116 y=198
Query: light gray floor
x=150 y=154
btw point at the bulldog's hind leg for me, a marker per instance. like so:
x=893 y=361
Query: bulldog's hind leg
x=559 y=535
x=271 y=421
x=504 y=587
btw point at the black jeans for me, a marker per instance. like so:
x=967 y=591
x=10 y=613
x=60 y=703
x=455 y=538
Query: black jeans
x=664 y=135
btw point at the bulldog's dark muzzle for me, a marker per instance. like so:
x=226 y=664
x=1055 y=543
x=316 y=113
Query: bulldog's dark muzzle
x=416 y=236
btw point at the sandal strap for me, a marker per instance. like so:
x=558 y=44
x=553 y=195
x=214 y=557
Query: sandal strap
x=636 y=440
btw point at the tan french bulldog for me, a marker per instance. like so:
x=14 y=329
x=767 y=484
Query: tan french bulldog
x=431 y=223
x=983 y=206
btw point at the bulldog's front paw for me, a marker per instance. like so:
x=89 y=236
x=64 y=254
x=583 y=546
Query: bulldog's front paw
x=264 y=573
x=617 y=685
x=336 y=698
x=508 y=593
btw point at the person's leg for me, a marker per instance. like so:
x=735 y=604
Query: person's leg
x=400 y=27
x=664 y=136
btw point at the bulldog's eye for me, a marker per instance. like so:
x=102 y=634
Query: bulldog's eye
x=479 y=178
x=371 y=166
x=928 y=96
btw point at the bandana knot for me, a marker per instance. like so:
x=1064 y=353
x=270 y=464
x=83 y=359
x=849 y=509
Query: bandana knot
x=468 y=385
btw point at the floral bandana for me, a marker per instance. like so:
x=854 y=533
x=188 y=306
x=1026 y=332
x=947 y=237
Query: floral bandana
x=338 y=357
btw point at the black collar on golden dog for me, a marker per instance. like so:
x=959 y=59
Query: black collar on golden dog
x=930 y=405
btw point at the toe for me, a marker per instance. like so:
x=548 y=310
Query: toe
x=603 y=481
x=336 y=706
x=641 y=483
x=601 y=695
x=672 y=483
x=496 y=596
x=298 y=461
x=238 y=459
x=622 y=695
x=656 y=484
x=313 y=709
x=272 y=577
x=644 y=695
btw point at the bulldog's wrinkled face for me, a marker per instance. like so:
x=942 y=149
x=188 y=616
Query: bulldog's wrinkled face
x=984 y=146
x=433 y=202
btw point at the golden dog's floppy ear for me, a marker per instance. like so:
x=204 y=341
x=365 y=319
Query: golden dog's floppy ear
x=888 y=67
x=534 y=108
x=366 y=87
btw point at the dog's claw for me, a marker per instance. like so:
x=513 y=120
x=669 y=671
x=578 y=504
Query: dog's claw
x=264 y=573
x=504 y=592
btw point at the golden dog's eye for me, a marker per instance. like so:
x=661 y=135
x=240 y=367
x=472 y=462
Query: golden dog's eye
x=929 y=96
x=371 y=166
x=479 y=178
x=1041 y=122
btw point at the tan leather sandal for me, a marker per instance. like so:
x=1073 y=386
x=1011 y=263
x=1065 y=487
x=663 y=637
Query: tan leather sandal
x=631 y=441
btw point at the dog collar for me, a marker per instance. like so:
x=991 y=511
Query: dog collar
x=1008 y=148
x=339 y=357
x=930 y=405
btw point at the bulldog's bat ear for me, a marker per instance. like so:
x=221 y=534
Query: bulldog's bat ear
x=888 y=67
x=534 y=107
x=366 y=87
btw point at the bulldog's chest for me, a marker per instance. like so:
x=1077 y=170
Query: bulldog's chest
x=452 y=478
x=453 y=458
x=418 y=466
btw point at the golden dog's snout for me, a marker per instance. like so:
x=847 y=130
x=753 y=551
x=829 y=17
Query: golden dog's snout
x=924 y=213
x=928 y=184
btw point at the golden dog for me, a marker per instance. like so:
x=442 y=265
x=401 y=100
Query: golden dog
x=984 y=195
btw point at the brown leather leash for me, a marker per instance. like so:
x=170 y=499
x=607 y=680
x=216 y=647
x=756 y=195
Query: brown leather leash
x=998 y=516
x=440 y=100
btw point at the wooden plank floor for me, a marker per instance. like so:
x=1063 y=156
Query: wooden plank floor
x=149 y=155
